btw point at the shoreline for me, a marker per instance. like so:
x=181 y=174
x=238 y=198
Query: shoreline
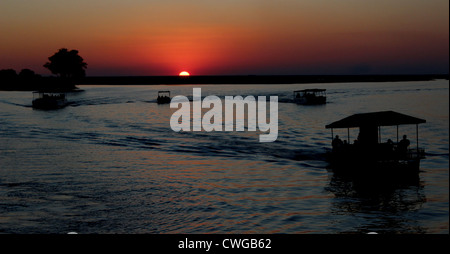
x=253 y=79
x=48 y=83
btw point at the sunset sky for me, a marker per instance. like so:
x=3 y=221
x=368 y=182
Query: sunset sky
x=229 y=37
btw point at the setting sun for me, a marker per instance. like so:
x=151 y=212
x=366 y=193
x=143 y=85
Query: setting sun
x=184 y=73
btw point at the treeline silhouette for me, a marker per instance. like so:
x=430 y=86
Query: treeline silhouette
x=69 y=68
x=67 y=65
x=252 y=79
x=27 y=80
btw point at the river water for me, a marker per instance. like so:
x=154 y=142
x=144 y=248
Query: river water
x=110 y=163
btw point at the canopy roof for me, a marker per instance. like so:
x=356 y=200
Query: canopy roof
x=383 y=118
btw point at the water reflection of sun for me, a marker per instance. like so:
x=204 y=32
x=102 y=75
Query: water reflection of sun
x=184 y=73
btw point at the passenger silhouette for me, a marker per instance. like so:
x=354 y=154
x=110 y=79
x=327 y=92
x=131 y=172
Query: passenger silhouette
x=404 y=142
x=403 y=145
x=337 y=143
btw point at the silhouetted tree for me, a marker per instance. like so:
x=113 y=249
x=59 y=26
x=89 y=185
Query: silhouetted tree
x=8 y=77
x=26 y=74
x=8 y=74
x=67 y=64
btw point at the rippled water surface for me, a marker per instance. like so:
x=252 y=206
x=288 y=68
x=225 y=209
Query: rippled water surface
x=110 y=163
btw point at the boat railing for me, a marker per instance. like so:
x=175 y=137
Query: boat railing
x=164 y=94
x=306 y=93
x=382 y=151
x=415 y=153
x=44 y=95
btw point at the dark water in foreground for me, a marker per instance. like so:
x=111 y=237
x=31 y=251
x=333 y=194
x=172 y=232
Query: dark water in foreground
x=110 y=163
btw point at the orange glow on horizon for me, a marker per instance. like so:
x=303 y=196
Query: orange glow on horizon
x=184 y=73
x=130 y=38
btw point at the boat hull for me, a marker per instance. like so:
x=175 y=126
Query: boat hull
x=311 y=101
x=373 y=167
x=42 y=103
x=163 y=100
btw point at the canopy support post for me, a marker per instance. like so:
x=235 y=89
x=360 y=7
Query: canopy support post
x=348 y=135
x=397 y=134
x=417 y=138
x=379 y=134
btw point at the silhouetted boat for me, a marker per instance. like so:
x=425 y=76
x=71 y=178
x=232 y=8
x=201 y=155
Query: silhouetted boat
x=49 y=100
x=368 y=154
x=310 y=96
x=163 y=97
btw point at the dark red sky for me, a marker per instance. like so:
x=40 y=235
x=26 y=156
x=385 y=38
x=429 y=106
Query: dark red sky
x=158 y=37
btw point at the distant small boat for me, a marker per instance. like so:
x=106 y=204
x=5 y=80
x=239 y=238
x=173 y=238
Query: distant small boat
x=368 y=154
x=163 y=97
x=49 y=100
x=310 y=96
